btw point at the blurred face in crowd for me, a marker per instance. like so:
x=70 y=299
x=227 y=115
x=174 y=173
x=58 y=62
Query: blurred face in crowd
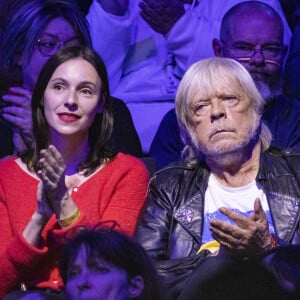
x=92 y=278
x=254 y=37
x=57 y=33
x=72 y=98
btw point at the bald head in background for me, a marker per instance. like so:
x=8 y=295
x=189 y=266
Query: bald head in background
x=252 y=33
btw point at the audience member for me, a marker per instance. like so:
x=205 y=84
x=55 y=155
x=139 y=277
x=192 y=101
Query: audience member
x=6 y=145
x=102 y=263
x=285 y=264
x=232 y=190
x=5 y=8
x=35 y=31
x=247 y=36
x=228 y=279
x=167 y=145
x=66 y=178
x=292 y=68
x=151 y=44
x=289 y=8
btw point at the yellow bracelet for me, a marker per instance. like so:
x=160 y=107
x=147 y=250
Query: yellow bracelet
x=68 y=221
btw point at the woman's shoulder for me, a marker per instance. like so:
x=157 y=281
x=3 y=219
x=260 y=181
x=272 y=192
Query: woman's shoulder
x=127 y=159
x=13 y=165
x=127 y=162
x=8 y=161
x=10 y=169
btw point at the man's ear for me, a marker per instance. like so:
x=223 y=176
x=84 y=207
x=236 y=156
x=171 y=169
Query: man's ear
x=136 y=286
x=217 y=46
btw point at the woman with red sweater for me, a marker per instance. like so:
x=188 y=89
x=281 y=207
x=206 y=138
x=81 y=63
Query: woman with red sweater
x=67 y=179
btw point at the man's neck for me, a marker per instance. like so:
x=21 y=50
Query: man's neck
x=238 y=170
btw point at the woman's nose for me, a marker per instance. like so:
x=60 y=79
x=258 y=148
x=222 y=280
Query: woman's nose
x=83 y=282
x=71 y=100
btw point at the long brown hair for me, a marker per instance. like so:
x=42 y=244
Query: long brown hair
x=101 y=128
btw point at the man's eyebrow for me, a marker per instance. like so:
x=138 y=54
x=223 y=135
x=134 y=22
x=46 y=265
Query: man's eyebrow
x=242 y=42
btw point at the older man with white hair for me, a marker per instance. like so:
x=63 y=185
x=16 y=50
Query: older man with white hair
x=234 y=195
x=251 y=33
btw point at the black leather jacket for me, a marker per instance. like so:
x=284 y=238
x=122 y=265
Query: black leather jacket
x=171 y=225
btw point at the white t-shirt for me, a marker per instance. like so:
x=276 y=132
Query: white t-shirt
x=241 y=199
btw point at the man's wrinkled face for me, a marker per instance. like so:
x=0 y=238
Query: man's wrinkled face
x=222 y=123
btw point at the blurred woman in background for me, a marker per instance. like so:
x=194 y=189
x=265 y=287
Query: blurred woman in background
x=104 y=264
x=34 y=32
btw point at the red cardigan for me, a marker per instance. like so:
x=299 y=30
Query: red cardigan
x=115 y=192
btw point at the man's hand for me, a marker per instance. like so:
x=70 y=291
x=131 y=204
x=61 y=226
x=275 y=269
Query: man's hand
x=161 y=15
x=249 y=237
x=18 y=113
x=115 y=7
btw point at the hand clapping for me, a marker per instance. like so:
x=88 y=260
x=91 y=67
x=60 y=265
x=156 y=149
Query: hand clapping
x=52 y=175
x=161 y=15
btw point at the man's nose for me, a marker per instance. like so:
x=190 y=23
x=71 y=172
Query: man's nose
x=217 y=109
x=257 y=57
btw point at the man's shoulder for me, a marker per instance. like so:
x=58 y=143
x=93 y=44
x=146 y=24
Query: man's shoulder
x=171 y=115
x=179 y=182
x=291 y=156
x=287 y=152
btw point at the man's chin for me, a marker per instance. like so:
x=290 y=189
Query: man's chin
x=221 y=150
x=266 y=90
x=227 y=152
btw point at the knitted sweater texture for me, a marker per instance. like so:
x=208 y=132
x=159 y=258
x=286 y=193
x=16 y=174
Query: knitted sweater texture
x=115 y=192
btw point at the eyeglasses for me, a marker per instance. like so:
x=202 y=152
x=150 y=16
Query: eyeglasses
x=49 y=45
x=104 y=225
x=270 y=52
